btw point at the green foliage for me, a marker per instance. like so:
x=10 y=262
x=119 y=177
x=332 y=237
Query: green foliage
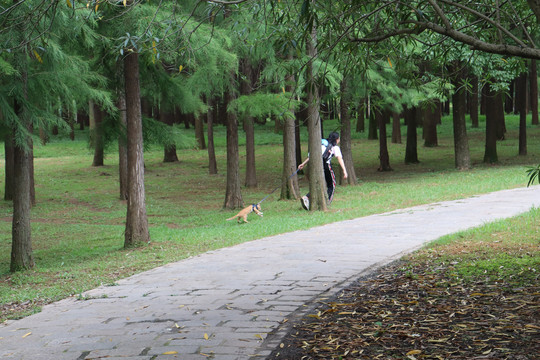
x=47 y=74
x=158 y=133
x=6 y=68
x=533 y=173
x=259 y=105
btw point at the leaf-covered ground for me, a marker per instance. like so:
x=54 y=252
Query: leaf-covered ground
x=422 y=310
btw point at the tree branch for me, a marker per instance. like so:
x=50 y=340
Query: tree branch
x=485 y=18
x=476 y=44
x=388 y=35
x=222 y=2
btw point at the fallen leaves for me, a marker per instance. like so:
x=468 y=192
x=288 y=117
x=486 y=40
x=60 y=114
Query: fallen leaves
x=421 y=313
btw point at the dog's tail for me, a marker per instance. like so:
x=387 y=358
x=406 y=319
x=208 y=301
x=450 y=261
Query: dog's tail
x=230 y=218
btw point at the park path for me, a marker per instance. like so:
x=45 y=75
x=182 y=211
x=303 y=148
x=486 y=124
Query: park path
x=233 y=303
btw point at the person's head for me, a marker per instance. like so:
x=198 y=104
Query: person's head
x=333 y=138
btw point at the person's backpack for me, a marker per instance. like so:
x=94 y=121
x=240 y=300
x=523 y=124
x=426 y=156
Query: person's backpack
x=326 y=152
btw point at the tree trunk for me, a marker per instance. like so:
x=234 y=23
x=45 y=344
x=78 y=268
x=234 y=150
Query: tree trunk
x=533 y=80
x=396 y=128
x=317 y=183
x=169 y=150
x=199 y=132
x=361 y=116
x=9 y=168
x=474 y=103
x=122 y=147
x=72 y=119
x=122 y=137
x=411 y=148
x=21 y=245
x=446 y=107
x=289 y=184
x=499 y=116
x=430 y=125
x=82 y=119
x=490 y=154
x=136 y=233
x=346 y=143
x=297 y=143
x=233 y=195
x=21 y=248
x=461 y=142
x=251 y=176
x=384 y=158
x=212 y=163
x=245 y=89
x=521 y=106
x=372 y=130
x=97 y=137
x=509 y=98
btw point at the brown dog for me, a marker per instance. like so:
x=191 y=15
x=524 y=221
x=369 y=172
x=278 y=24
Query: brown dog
x=243 y=214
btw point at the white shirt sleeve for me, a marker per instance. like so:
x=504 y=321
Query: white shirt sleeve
x=337 y=151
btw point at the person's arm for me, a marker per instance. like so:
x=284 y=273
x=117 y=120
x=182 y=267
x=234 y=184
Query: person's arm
x=342 y=164
x=301 y=166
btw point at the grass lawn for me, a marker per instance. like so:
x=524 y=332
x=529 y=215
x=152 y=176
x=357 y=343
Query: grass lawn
x=78 y=221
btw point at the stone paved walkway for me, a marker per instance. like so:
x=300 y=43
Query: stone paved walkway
x=232 y=303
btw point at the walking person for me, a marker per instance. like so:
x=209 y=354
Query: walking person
x=330 y=148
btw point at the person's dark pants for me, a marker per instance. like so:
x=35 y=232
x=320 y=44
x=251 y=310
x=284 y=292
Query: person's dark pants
x=330 y=178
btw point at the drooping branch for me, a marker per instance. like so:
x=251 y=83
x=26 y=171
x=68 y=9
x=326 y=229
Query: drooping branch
x=441 y=21
x=477 y=44
x=390 y=34
x=485 y=18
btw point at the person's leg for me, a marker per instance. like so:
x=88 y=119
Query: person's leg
x=330 y=178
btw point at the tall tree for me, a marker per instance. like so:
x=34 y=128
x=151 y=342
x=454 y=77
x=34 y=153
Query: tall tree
x=490 y=153
x=21 y=246
x=136 y=232
x=169 y=150
x=9 y=166
x=533 y=81
x=411 y=147
x=459 y=99
x=384 y=157
x=289 y=187
x=430 y=124
x=122 y=148
x=396 y=128
x=199 y=132
x=317 y=183
x=521 y=105
x=233 y=194
x=473 y=106
x=246 y=80
x=96 y=133
x=372 y=126
x=212 y=163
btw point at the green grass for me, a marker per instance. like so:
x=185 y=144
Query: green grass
x=502 y=251
x=78 y=222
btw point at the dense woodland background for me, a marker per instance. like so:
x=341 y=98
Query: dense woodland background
x=132 y=71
